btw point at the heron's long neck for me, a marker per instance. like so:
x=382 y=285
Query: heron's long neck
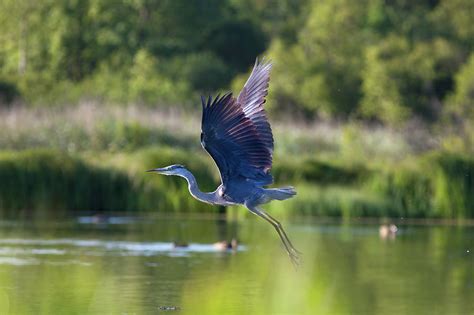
x=195 y=191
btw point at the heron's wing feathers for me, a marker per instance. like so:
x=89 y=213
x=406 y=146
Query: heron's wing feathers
x=234 y=141
x=252 y=98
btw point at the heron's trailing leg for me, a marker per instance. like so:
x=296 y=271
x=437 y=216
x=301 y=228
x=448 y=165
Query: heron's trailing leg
x=282 y=231
x=291 y=250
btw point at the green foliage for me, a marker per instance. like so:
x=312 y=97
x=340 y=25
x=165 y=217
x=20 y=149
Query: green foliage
x=379 y=61
x=312 y=170
x=401 y=80
x=372 y=60
x=8 y=93
x=135 y=51
x=225 y=38
x=333 y=201
x=321 y=72
x=462 y=100
x=147 y=85
x=438 y=185
x=452 y=19
x=407 y=190
x=382 y=98
x=453 y=186
x=278 y=18
x=203 y=72
x=116 y=136
x=37 y=182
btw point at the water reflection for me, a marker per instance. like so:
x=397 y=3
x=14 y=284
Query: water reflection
x=133 y=267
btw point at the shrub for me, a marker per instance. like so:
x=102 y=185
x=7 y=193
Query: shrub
x=38 y=182
x=439 y=185
x=312 y=170
x=204 y=72
x=8 y=93
x=408 y=190
x=453 y=186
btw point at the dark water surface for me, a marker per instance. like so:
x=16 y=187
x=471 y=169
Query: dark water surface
x=129 y=265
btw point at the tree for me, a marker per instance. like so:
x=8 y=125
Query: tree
x=403 y=79
x=461 y=102
x=382 y=94
x=321 y=73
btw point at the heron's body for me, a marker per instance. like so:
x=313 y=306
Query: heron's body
x=237 y=135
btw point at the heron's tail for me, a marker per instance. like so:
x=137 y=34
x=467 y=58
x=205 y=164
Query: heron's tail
x=280 y=193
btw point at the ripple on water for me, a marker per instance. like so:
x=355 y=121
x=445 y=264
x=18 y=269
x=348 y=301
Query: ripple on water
x=27 y=251
x=15 y=261
x=5 y=251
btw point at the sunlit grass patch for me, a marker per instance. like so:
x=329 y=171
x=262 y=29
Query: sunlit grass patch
x=333 y=201
x=92 y=126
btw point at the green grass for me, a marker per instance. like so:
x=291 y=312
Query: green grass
x=453 y=186
x=93 y=158
x=331 y=201
x=44 y=180
x=439 y=185
x=101 y=127
x=310 y=169
x=37 y=182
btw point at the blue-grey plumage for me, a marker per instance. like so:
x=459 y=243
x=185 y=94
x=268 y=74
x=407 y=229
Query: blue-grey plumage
x=237 y=135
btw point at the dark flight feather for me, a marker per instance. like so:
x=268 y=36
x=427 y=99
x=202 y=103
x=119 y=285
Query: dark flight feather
x=233 y=142
x=236 y=132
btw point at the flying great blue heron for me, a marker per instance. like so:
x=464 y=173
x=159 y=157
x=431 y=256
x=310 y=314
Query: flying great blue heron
x=237 y=135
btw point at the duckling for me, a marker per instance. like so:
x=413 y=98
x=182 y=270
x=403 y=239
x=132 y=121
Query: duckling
x=225 y=245
x=388 y=231
x=180 y=244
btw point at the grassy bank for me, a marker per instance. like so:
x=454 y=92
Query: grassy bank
x=36 y=182
x=92 y=157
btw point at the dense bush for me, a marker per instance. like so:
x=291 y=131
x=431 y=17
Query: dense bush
x=408 y=191
x=453 y=186
x=8 y=93
x=461 y=102
x=36 y=181
x=313 y=170
x=42 y=182
x=438 y=185
x=333 y=201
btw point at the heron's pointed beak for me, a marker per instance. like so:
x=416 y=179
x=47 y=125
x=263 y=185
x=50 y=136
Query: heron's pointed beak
x=156 y=170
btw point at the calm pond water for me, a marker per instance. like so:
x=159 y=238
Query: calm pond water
x=129 y=265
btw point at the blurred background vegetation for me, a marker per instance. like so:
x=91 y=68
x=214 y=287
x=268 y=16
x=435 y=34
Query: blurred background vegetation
x=371 y=102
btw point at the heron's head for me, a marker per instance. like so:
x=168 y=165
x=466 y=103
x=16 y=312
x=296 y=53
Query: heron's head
x=175 y=169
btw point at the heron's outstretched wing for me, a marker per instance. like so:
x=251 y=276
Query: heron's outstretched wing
x=235 y=141
x=252 y=98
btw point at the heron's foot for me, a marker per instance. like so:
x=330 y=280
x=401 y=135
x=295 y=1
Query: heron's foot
x=295 y=255
x=295 y=258
x=295 y=251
